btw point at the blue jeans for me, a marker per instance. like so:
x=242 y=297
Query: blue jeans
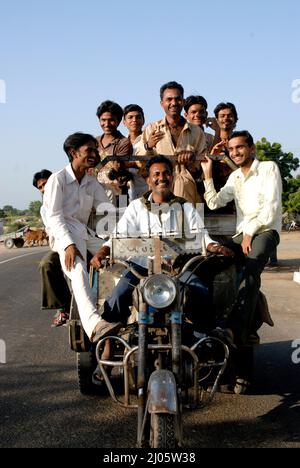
x=116 y=307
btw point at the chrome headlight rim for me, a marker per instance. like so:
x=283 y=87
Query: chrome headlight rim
x=159 y=280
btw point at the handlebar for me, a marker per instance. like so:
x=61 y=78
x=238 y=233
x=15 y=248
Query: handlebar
x=126 y=265
x=185 y=268
x=191 y=261
x=195 y=259
x=172 y=157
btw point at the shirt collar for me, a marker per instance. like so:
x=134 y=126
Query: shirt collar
x=147 y=199
x=137 y=140
x=254 y=165
x=163 y=123
x=253 y=169
x=117 y=136
x=70 y=176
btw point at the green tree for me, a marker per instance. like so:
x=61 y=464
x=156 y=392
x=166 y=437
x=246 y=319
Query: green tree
x=286 y=162
x=293 y=185
x=293 y=202
x=13 y=227
x=34 y=207
x=9 y=211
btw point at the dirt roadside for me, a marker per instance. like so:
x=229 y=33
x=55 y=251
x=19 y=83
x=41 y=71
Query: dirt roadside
x=283 y=294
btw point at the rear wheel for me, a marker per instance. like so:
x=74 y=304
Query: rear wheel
x=9 y=243
x=163 y=430
x=19 y=242
x=86 y=364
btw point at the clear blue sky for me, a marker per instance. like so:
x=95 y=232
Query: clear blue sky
x=60 y=59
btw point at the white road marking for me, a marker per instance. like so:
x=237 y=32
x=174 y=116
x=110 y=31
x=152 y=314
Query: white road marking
x=19 y=256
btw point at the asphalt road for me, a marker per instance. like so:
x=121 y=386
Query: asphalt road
x=41 y=406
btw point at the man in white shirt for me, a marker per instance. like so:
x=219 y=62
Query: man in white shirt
x=256 y=189
x=156 y=213
x=70 y=195
x=55 y=291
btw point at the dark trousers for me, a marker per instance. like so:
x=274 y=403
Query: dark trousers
x=241 y=318
x=116 y=307
x=273 y=256
x=55 y=291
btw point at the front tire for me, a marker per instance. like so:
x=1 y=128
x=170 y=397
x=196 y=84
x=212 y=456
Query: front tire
x=163 y=430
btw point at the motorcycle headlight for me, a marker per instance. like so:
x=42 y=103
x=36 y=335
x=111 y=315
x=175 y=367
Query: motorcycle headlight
x=159 y=291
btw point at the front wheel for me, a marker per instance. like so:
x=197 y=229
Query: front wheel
x=163 y=430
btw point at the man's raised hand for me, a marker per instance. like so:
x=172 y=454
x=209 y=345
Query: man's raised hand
x=207 y=167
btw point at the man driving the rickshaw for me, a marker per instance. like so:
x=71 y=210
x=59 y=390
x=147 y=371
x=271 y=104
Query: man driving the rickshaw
x=158 y=212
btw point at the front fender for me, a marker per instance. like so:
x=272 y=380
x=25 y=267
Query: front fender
x=162 y=392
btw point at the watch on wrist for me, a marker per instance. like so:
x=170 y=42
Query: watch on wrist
x=147 y=147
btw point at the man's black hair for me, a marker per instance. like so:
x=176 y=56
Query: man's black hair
x=191 y=100
x=243 y=133
x=159 y=160
x=133 y=108
x=112 y=107
x=171 y=85
x=226 y=105
x=76 y=140
x=42 y=174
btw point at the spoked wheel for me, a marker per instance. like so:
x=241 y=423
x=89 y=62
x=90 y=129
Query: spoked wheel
x=163 y=430
x=9 y=243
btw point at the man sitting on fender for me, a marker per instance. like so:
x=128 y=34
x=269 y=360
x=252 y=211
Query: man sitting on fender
x=256 y=190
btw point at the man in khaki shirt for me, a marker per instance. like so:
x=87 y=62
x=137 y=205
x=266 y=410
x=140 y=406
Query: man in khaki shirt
x=173 y=135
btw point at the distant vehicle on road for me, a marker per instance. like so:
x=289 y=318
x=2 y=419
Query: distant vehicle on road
x=14 y=238
x=24 y=236
x=292 y=226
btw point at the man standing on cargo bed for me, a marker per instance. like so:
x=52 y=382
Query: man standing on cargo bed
x=173 y=135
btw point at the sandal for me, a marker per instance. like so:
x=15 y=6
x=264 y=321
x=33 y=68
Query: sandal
x=60 y=319
x=241 y=386
x=98 y=378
